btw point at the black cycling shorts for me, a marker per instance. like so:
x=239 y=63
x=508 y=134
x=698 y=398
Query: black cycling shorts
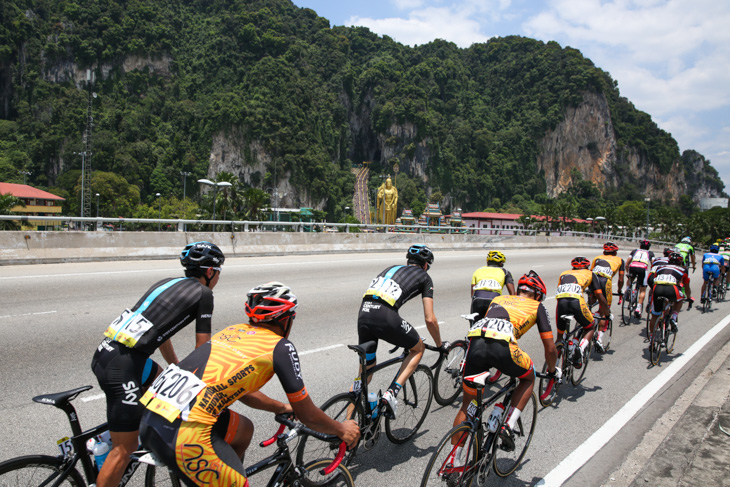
x=377 y=321
x=485 y=353
x=123 y=375
x=669 y=291
x=575 y=307
x=480 y=303
x=641 y=274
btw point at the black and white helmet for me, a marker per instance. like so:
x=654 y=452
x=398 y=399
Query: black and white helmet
x=272 y=301
x=201 y=254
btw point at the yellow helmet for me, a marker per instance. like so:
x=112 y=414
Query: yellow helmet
x=496 y=256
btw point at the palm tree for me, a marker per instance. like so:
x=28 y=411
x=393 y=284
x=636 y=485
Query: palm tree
x=7 y=203
x=255 y=200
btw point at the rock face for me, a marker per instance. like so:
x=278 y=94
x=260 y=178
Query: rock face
x=585 y=142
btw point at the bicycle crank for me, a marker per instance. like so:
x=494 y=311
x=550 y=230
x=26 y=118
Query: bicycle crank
x=483 y=470
x=371 y=435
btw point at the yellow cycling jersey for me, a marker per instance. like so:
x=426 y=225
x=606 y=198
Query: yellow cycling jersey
x=489 y=278
x=607 y=265
x=573 y=283
x=510 y=316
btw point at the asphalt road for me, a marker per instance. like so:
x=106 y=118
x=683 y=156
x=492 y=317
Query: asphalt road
x=52 y=318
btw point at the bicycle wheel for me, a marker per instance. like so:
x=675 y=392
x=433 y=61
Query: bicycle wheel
x=340 y=407
x=414 y=401
x=606 y=338
x=506 y=462
x=655 y=344
x=578 y=374
x=447 y=377
x=626 y=307
x=34 y=470
x=548 y=388
x=340 y=477
x=671 y=337
x=454 y=463
x=159 y=476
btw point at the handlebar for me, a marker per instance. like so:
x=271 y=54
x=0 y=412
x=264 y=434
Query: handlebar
x=296 y=429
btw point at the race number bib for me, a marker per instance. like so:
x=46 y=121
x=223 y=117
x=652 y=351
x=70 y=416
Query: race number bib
x=570 y=290
x=386 y=289
x=711 y=261
x=666 y=279
x=488 y=285
x=603 y=271
x=171 y=393
x=128 y=328
x=642 y=257
x=497 y=328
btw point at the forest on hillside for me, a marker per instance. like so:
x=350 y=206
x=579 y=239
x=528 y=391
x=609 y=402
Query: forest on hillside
x=316 y=98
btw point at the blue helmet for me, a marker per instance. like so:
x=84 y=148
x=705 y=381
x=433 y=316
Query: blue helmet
x=714 y=248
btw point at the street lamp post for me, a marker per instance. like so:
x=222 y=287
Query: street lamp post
x=216 y=185
x=159 y=214
x=25 y=173
x=647 y=217
x=185 y=175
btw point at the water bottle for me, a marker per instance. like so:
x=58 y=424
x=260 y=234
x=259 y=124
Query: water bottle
x=495 y=417
x=100 y=451
x=373 y=399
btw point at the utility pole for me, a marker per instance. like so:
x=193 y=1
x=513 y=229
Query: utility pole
x=86 y=153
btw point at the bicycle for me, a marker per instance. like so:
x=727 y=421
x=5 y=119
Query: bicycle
x=722 y=287
x=663 y=336
x=707 y=296
x=476 y=445
x=414 y=402
x=448 y=375
x=33 y=470
x=548 y=387
x=630 y=300
x=287 y=472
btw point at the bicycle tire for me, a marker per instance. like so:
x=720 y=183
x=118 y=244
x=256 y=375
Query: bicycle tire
x=606 y=339
x=507 y=462
x=671 y=338
x=155 y=476
x=336 y=407
x=447 y=377
x=341 y=477
x=626 y=308
x=33 y=470
x=577 y=375
x=414 y=402
x=655 y=344
x=547 y=399
x=440 y=466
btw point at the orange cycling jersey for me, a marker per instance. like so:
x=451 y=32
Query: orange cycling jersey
x=237 y=361
x=607 y=265
x=573 y=283
x=510 y=316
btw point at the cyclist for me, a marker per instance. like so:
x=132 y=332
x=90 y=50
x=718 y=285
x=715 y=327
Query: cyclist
x=379 y=319
x=607 y=266
x=725 y=252
x=712 y=264
x=488 y=281
x=688 y=252
x=639 y=264
x=122 y=362
x=188 y=423
x=493 y=343
x=670 y=281
x=571 y=286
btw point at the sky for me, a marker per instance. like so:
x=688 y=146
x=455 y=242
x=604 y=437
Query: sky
x=671 y=58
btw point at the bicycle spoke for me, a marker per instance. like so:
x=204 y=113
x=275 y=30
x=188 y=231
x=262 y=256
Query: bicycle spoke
x=454 y=461
x=506 y=462
x=414 y=402
x=447 y=379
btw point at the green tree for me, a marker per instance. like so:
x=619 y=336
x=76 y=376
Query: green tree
x=7 y=203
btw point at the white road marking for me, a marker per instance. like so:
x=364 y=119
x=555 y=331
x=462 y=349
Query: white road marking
x=597 y=440
x=93 y=398
x=28 y=314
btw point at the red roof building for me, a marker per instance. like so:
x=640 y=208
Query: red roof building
x=37 y=203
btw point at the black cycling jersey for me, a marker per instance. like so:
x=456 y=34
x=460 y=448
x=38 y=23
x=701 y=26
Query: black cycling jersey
x=165 y=309
x=398 y=284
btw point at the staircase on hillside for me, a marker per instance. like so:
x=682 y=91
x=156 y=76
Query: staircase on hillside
x=361 y=201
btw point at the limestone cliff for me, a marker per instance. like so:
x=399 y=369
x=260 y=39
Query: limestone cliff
x=585 y=141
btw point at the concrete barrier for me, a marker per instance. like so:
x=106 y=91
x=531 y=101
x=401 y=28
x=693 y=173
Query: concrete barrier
x=52 y=247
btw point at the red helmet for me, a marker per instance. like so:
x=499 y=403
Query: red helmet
x=610 y=247
x=675 y=258
x=270 y=302
x=580 y=263
x=532 y=282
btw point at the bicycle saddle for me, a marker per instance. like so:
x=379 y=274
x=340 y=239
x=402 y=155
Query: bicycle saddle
x=59 y=399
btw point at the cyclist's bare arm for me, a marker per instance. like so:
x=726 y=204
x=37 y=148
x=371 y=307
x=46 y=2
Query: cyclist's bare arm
x=259 y=400
x=168 y=352
x=201 y=338
x=602 y=303
x=511 y=288
x=309 y=414
x=551 y=353
x=432 y=323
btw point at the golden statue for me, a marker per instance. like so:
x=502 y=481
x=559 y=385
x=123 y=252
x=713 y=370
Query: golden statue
x=387 y=203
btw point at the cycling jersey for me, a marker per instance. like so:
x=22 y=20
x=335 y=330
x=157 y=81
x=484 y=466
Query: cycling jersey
x=571 y=286
x=641 y=258
x=491 y=278
x=235 y=362
x=712 y=258
x=398 y=284
x=607 y=265
x=668 y=282
x=686 y=250
x=711 y=264
x=510 y=317
x=164 y=310
x=659 y=262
